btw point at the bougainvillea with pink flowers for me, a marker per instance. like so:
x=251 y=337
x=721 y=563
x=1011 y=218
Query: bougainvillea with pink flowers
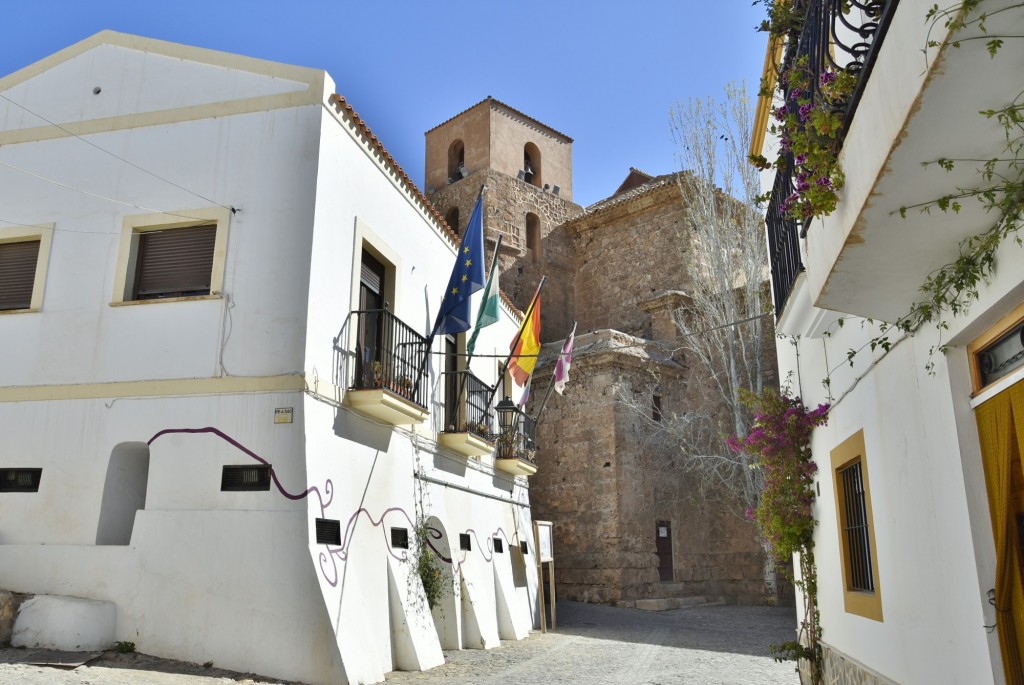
x=780 y=438
x=780 y=441
x=809 y=124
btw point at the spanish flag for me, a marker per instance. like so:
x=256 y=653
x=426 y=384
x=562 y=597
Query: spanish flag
x=526 y=345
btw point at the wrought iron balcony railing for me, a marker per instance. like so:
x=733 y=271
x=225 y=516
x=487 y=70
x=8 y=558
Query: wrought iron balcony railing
x=839 y=35
x=519 y=441
x=389 y=355
x=467 y=405
x=783 y=239
x=835 y=35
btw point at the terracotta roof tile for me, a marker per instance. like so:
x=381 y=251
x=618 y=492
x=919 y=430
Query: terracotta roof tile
x=446 y=230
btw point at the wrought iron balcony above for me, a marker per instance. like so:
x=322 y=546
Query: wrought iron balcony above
x=387 y=375
x=468 y=416
x=516 y=443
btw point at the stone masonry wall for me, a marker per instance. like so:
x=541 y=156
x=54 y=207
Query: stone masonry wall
x=605 y=487
x=624 y=255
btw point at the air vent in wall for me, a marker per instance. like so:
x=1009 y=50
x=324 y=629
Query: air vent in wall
x=524 y=548
x=20 y=480
x=247 y=477
x=499 y=546
x=400 y=538
x=328 y=532
x=464 y=542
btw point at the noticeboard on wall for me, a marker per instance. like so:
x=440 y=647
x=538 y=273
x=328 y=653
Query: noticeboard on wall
x=544 y=540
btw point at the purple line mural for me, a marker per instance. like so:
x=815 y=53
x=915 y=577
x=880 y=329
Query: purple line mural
x=326 y=496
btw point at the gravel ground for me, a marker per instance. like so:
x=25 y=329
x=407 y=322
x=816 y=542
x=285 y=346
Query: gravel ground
x=705 y=645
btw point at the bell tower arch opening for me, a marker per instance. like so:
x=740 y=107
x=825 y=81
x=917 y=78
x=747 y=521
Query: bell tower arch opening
x=532 y=165
x=456 y=160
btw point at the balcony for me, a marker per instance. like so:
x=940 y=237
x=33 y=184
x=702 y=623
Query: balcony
x=914 y=103
x=516 y=445
x=468 y=416
x=388 y=374
x=783 y=240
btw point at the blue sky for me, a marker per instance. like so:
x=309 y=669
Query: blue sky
x=604 y=73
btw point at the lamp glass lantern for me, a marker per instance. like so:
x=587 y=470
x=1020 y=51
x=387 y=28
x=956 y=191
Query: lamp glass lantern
x=508 y=415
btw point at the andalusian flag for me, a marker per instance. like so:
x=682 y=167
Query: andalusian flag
x=564 y=362
x=526 y=345
x=488 y=312
x=467 y=277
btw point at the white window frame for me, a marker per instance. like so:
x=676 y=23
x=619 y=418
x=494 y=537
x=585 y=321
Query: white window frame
x=23 y=234
x=136 y=224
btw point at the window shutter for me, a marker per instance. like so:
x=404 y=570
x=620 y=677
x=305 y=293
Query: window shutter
x=175 y=262
x=372 y=273
x=18 y=273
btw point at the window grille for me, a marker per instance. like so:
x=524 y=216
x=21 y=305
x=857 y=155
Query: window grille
x=400 y=538
x=20 y=480
x=244 y=478
x=855 y=528
x=328 y=532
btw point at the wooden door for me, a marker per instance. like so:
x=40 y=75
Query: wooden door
x=663 y=545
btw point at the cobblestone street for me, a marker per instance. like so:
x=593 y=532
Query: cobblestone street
x=705 y=645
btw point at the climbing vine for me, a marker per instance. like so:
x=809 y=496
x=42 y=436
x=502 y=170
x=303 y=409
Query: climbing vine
x=780 y=437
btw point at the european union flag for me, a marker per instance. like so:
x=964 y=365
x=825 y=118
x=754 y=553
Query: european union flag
x=467 y=277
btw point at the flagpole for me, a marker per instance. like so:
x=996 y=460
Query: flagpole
x=469 y=357
x=551 y=384
x=494 y=261
x=519 y=334
x=433 y=331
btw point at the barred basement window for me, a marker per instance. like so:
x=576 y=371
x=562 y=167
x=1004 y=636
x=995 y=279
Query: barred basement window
x=328 y=532
x=20 y=480
x=18 y=273
x=499 y=546
x=245 y=478
x=464 y=542
x=400 y=538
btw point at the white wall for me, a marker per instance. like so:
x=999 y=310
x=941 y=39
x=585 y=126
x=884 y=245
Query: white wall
x=933 y=534
x=233 y=577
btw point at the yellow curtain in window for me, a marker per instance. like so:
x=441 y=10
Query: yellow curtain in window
x=1001 y=429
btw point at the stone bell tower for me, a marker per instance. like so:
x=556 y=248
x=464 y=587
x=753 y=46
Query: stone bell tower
x=526 y=167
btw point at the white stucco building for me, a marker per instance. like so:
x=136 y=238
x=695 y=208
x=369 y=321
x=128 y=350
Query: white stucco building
x=920 y=503
x=220 y=418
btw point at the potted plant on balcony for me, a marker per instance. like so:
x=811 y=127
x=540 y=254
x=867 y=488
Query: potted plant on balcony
x=478 y=428
x=508 y=444
x=378 y=374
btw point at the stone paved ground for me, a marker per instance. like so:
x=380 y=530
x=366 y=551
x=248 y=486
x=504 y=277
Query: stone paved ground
x=708 y=645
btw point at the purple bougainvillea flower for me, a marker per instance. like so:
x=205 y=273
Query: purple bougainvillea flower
x=826 y=78
x=805 y=110
x=800 y=159
x=780 y=112
x=825 y=182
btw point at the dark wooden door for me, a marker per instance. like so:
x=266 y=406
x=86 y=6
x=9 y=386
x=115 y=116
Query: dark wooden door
x=663 y=545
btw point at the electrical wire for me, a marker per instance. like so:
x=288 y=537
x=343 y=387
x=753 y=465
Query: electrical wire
x=97 y=195
x=121 y=159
